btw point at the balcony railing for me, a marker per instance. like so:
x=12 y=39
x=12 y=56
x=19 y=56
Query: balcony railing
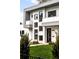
x=29 y=24
x=50 y=21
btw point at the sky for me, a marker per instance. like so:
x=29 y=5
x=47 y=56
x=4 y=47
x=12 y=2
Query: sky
x=27 y=3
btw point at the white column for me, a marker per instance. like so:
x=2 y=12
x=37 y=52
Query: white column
x=30 y=35
x=44 y=34
x=24 y=19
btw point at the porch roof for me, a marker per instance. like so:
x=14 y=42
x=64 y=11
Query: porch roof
x=50 y=23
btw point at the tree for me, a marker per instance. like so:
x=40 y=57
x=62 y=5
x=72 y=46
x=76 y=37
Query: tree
x=55 y=50
x=24 y=47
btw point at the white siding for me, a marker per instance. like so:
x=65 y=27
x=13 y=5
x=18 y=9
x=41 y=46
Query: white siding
x=45 y=14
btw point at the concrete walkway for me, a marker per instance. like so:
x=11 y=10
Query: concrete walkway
x=39 y=44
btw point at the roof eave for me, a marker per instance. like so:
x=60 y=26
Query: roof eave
x=40 y=5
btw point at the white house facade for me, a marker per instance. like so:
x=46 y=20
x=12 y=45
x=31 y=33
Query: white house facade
x=42 y=21
x=22 y=29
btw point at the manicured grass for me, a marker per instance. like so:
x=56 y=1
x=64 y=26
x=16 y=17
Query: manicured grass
x=42 y=51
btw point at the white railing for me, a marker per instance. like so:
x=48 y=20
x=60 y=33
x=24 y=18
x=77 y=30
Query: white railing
x=51 y=19
x=29 y=22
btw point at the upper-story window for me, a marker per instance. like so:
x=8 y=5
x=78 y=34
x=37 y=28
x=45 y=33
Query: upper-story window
x=40 y=16
x=52 y=13
x=31 y=16
x=36 y=16
x=36 y=24
x=27 y=15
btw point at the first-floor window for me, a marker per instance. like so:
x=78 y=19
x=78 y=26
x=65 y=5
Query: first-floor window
x=40 y=37
x=36 y=24
x=35 y=36
x=40 y=16
x=40 y=28
x=35 y=31
x=21 y=32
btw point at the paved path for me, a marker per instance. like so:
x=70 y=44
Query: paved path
x=39 y=44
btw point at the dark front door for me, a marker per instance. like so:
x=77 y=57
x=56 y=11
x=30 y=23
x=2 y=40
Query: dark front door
x=48 y=34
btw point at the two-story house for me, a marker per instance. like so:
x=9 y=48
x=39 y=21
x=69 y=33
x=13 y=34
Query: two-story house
x=23 y=30
x=42 y=20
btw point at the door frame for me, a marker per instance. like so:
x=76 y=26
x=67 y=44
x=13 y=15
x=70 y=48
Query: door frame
x=48 y=38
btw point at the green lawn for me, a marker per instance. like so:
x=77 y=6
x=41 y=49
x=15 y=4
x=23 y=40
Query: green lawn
x=42 y=51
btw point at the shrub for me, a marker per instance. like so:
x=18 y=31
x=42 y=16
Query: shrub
x=35 y=42
x=50 y=43
x=55 y=50
x=24 y=47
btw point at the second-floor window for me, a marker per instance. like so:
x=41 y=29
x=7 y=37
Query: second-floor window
x=27 y=15
x=52 y=13
x=36 y=16
x=36 y=24
x=40 y=16
x=31 y=16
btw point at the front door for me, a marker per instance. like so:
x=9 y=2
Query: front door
x=48 y=34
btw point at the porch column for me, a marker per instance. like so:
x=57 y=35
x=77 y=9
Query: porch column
x=44 y=34
x=24 y=19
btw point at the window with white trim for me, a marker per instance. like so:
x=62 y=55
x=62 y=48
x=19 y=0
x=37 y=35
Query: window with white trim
x=52 y=13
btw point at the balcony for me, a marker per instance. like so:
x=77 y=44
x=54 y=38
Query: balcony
x=29 y=24
x=50 y=21
x=27 y=21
